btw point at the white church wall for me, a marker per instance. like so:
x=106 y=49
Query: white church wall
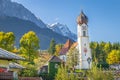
x=84 y=48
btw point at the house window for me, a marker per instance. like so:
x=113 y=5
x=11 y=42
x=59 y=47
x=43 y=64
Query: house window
x=84 y=33
x=43 y=69
x=56 y=65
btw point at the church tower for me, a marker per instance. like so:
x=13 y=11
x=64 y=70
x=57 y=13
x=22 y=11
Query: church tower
x=85 y=58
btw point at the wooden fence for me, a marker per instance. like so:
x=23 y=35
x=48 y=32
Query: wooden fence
x=6 y=76
x=30 y=78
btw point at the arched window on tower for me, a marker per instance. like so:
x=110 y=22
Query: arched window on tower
x=84 y=33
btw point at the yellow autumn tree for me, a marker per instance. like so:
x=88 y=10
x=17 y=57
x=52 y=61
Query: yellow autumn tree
x=113 y=57
x=7 y=40
x=29 y=45
x=15 y=50
x=58 y=47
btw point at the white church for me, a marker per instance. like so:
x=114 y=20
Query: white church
x=82 y=44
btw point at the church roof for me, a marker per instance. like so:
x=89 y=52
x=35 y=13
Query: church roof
x=55 y=59
x=66 y=47
x=6 y=55
x=75 y=44
x=82 y=18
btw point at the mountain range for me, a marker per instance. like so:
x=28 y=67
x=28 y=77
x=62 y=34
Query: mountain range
x=62 y=30
x=13 y=9
x=16 y=18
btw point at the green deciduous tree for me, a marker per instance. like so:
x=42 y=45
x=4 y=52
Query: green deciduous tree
x=31 y=71
x=29 y=45
x=51 y=49
x=63 y=74
x=72 y=58
x=7 y=40
x=98 y=74
x=101 y=51
x=107 y=48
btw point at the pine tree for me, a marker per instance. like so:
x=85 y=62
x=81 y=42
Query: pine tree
x=51 y=49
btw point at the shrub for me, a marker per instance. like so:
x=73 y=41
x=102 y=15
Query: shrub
x=64 y=75
x=98 y=74
x=31 y=72
x=44 y=76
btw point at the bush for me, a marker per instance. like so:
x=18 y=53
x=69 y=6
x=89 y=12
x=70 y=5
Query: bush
x=81 y=73
x=44 y=76
x=97 y=74
x=64 y=75
x=103 y=65
x=31 y=72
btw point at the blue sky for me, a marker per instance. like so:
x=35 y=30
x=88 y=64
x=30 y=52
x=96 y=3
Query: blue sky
x=104 y=15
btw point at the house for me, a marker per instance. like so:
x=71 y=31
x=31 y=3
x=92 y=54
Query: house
x=5 y=58
x=44 y=69
x=15 y=67
x=67 y=46
x=52 y=67
x=65 y=49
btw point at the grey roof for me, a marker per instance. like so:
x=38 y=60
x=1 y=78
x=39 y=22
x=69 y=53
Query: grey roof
x=15 y=66
x=9 y=55
x=55 y=59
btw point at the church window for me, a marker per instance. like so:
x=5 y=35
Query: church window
x=84 y=33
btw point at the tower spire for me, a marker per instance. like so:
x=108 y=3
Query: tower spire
x=82 y=18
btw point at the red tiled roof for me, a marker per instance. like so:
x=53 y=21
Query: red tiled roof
x=66 y=47
x=74 y=45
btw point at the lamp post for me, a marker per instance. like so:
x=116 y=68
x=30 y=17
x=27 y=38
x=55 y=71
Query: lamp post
x=89 y=60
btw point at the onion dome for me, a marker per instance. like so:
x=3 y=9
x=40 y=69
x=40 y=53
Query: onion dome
x=82 y=18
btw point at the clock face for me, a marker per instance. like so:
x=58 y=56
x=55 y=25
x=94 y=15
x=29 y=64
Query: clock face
x=85 y=50
x=84 y=28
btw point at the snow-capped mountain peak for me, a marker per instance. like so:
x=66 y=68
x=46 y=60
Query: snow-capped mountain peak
x=62 y=29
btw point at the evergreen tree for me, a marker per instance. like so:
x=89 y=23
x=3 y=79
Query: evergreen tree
x=51 y=49
x=116 y=46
